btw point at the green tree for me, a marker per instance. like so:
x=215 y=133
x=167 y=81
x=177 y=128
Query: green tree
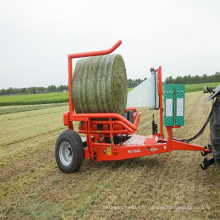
x=217 y=77
x=65 y=87
x=185 y=80
x=23 y=90
x=51 y=88
x=171 y=81
x=179 y=80
x=60 y=88
x=197 y=79
x=33 y=90
x=204 y=78
x=9 y=91
x=2 y=92
x=41 y=89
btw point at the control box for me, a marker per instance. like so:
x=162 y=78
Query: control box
x=174 y=104
x=168 y=100
x=179 y=94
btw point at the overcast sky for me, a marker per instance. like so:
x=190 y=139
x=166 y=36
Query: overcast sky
x=36 y=37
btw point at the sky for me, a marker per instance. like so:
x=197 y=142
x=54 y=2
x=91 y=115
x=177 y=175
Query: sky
x=36 y=36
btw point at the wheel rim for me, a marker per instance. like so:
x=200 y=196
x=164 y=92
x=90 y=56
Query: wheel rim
x=65 y=153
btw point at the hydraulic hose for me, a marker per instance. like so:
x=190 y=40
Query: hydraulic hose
x=203 y=127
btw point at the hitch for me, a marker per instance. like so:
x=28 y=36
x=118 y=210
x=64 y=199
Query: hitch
x=207 y=163
x=204 y=153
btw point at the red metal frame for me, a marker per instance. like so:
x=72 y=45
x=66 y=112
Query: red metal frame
x=114 y=124
x=160 y=94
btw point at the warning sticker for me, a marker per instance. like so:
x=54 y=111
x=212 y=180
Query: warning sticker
x=109 y=151
x=179 y=106
x=169 y=107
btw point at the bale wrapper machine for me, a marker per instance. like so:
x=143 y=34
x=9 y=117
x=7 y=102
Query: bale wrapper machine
x=111 y=136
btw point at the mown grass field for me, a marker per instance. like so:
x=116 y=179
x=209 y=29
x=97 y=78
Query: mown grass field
x=165 y=186
x=62 y=97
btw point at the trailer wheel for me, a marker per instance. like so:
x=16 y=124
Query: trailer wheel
x=69 y=151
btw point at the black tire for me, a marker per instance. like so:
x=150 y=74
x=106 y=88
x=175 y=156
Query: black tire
x=69 y=151
x=215 y=132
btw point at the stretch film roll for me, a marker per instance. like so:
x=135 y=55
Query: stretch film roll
x=145 y=94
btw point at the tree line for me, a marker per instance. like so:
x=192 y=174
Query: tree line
x=52 y=88
x=130 y=82
x=134 y=82
x=193 y=79
x=34 y=90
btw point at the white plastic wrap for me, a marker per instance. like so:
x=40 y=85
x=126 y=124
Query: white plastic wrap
x=145 y=94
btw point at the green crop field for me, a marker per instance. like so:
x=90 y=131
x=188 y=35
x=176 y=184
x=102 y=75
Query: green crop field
x=35 y=99
x=32 y=99
x=200 y=86
x=61 y=97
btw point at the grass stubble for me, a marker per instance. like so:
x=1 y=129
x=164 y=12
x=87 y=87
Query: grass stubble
x=157 y=186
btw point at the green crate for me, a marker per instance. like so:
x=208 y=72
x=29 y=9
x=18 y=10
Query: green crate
x=179 y=104
x=168 y=100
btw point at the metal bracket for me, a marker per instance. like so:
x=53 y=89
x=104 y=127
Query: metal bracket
x=207 y=163
x=204 y=153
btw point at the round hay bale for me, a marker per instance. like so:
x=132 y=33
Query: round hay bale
x=205 y=89
x=99 y=85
